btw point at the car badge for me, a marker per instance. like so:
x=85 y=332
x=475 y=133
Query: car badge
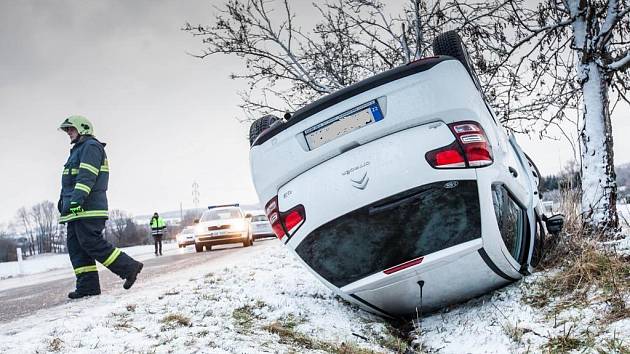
x=360 y=183
x=451 y=184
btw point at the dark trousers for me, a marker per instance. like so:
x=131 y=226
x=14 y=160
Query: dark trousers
x=157 y=240
x=85 y=246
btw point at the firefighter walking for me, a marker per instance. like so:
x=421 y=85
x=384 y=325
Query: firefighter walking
x=83 y=208
x=157 y=231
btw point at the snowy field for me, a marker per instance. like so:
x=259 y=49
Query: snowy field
x=265 y=302
x=46 y=262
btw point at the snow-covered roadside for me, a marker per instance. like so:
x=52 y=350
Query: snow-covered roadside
x=262 y=301
x=47 y=262
x=265 y=301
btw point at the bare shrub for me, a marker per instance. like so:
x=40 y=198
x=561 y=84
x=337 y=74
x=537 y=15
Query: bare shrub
x=585 y=267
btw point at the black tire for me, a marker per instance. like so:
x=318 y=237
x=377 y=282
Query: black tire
x=450 y=43
x=208 y=248
x=198 y=248
x=260 y=125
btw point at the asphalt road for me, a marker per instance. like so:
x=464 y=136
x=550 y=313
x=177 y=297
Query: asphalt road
x=21 y=301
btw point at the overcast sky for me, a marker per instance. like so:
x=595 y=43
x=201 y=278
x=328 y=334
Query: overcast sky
x=168 y=118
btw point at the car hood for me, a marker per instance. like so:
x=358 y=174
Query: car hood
x=222 y=222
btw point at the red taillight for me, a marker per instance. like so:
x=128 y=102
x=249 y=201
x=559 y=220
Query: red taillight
x=470 y=148
x=447 y=157
x=285 y=222
x=293 y=219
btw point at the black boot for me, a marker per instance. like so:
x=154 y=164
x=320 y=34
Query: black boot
x=78 y=294
x=131 y=278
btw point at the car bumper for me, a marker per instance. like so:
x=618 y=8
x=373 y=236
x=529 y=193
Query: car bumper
x=263 y=234
x=235 y=237
x=186 y=242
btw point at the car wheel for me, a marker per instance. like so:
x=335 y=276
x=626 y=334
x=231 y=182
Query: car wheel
x=450 y=43
x=260 y=125
x=248 y=242
x=208 y=248
x=198 y=248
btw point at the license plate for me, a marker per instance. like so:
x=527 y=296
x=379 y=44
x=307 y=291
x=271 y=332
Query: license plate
x=217 y=233
x=342 y=124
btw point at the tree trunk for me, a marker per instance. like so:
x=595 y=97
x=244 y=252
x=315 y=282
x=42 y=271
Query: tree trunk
x=599 y=186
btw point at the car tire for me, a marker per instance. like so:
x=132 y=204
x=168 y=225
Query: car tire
x=450 y=43
x=208 y=248
x=249 y=241
x=198 y=248
x=260 y=125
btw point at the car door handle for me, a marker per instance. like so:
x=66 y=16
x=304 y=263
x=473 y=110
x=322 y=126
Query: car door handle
x=513 y=171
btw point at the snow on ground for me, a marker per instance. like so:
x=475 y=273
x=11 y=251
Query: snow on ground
x=502 y=323
x=46 y=262
x=265 y=301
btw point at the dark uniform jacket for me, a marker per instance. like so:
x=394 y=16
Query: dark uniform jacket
x=84 y=180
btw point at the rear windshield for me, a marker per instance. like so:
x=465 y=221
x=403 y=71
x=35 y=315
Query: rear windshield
x=394 y=230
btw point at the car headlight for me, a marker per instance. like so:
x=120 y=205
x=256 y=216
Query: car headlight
x=238 y=225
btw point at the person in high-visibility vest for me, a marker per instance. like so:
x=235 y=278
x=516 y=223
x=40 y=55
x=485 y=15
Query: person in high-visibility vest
x=83 y=207
x=157 y=231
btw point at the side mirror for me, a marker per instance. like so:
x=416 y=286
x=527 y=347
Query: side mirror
x=554 y=224
x=196 y=221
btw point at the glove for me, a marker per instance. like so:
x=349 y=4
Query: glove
x=75 y=208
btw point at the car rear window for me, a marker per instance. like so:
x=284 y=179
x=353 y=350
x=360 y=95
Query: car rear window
x=394 y=230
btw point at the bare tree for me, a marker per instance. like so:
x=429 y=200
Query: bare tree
x=286 y=67
x=45 y=219
x=190 y=216
x=558 y=56
x=26 y=221
x=538 y=63
x=121 y=230
x=117 y=224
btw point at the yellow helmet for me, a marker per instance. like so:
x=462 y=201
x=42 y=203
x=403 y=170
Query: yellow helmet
x=82 y=125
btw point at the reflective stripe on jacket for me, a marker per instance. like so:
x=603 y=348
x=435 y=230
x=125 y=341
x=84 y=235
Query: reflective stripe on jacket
x=84 y=180
x=157 y=226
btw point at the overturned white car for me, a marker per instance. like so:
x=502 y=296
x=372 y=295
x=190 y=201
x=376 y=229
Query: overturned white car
x=402 y=192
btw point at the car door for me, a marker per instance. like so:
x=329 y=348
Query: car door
x=512 y=195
